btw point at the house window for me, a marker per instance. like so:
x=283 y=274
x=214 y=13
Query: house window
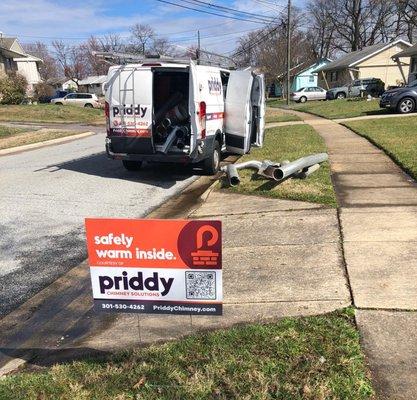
x=311 y=78
x=333 y=76
x=413 y=67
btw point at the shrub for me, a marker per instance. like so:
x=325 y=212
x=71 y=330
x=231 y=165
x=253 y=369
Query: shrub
x=43 y=92
x=12 y=88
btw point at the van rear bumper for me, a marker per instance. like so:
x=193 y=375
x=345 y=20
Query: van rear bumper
x=192 y=158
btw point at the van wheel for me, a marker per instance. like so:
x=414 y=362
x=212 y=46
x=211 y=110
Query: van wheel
x=211 y=165
x=132 y=165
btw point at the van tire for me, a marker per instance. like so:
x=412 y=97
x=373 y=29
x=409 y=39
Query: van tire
x=132 y=165
x=211 y=165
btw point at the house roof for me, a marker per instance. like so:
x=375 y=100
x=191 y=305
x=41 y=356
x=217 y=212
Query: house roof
x=411 y=51
x=6 y=44
x=92 y=80
x=58 y=81
x=316 y=64
x=356 y=57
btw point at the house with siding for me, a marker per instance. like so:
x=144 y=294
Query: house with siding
x=93 y=84
x=408 y=55
x=301 y=76
x=371 y=62
x=308 y=77
x=13 y=58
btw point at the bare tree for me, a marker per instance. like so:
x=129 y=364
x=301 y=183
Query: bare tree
x=48 y=68
x=350 y=25
x=72 y=60
x=142 y=37
x=162 y=46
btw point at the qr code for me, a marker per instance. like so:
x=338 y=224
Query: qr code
x=200 y=285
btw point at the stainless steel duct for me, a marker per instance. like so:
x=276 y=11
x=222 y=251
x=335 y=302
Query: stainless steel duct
x=284 y=171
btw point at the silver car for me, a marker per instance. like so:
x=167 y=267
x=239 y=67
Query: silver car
x=309 y=93
x=78 y=99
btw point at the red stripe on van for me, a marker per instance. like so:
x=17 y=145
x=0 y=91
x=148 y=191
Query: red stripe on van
x=212 y=116
x=131 y=132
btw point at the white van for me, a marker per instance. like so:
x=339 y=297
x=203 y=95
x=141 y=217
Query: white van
x=182 y=112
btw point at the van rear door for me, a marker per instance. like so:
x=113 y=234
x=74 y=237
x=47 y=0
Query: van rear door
x=194 y=106
x=129 y=96
x=238 y=112
x=258 y=104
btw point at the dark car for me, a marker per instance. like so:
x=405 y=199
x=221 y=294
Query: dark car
x=58 y=94
x=359 y=87
x=402 y=100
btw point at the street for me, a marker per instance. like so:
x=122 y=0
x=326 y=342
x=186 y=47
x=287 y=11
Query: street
x=45 y=196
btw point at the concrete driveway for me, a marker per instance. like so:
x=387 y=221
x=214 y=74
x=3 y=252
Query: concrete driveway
x=45 y=196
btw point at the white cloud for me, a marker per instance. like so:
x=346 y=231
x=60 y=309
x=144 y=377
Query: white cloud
x=80 y=19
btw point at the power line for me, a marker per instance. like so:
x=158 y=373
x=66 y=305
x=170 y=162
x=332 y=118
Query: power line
x=254 y=44
x=228 y=9
x=271 y=6
x=211 y=13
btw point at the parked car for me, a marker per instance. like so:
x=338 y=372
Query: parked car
x=48 y=99
x=308 y=93
x=403 y=99
x=78 y=99
x=373 y=86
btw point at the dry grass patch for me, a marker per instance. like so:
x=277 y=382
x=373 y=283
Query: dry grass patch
x=41 y=135
x=276 y=115
x=51 y=113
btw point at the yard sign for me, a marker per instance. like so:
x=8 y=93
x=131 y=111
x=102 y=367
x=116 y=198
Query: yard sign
x=155 y=266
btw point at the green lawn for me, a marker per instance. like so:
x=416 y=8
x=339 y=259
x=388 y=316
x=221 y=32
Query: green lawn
x=335 y=109
x=275 y=115
x=51 y=113
x=396 y=136
x=289 y=143
x=315 y=357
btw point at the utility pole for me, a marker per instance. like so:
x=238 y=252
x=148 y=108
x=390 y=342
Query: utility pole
x=288 y=52
x=198 y=47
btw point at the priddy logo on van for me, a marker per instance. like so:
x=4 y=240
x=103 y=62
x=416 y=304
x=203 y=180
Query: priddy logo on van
x=133 y=109
x=214 y=85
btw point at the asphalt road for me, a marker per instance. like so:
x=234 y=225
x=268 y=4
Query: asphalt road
x=45 y=195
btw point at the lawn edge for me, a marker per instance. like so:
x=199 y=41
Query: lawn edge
x=37 y=145
x=391 y=155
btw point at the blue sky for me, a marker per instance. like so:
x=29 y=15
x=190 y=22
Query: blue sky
x=75 y=20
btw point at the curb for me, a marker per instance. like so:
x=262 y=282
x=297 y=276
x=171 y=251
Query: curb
x=51 y=142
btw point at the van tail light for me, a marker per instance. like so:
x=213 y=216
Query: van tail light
x=202 y=114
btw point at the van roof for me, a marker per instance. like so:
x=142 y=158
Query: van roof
x=160 y=64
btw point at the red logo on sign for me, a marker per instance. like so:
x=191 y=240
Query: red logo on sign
x=199 y=244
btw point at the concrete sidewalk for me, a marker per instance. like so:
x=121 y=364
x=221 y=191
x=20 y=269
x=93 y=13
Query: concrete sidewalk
x=378 y=214
x=281 y=258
